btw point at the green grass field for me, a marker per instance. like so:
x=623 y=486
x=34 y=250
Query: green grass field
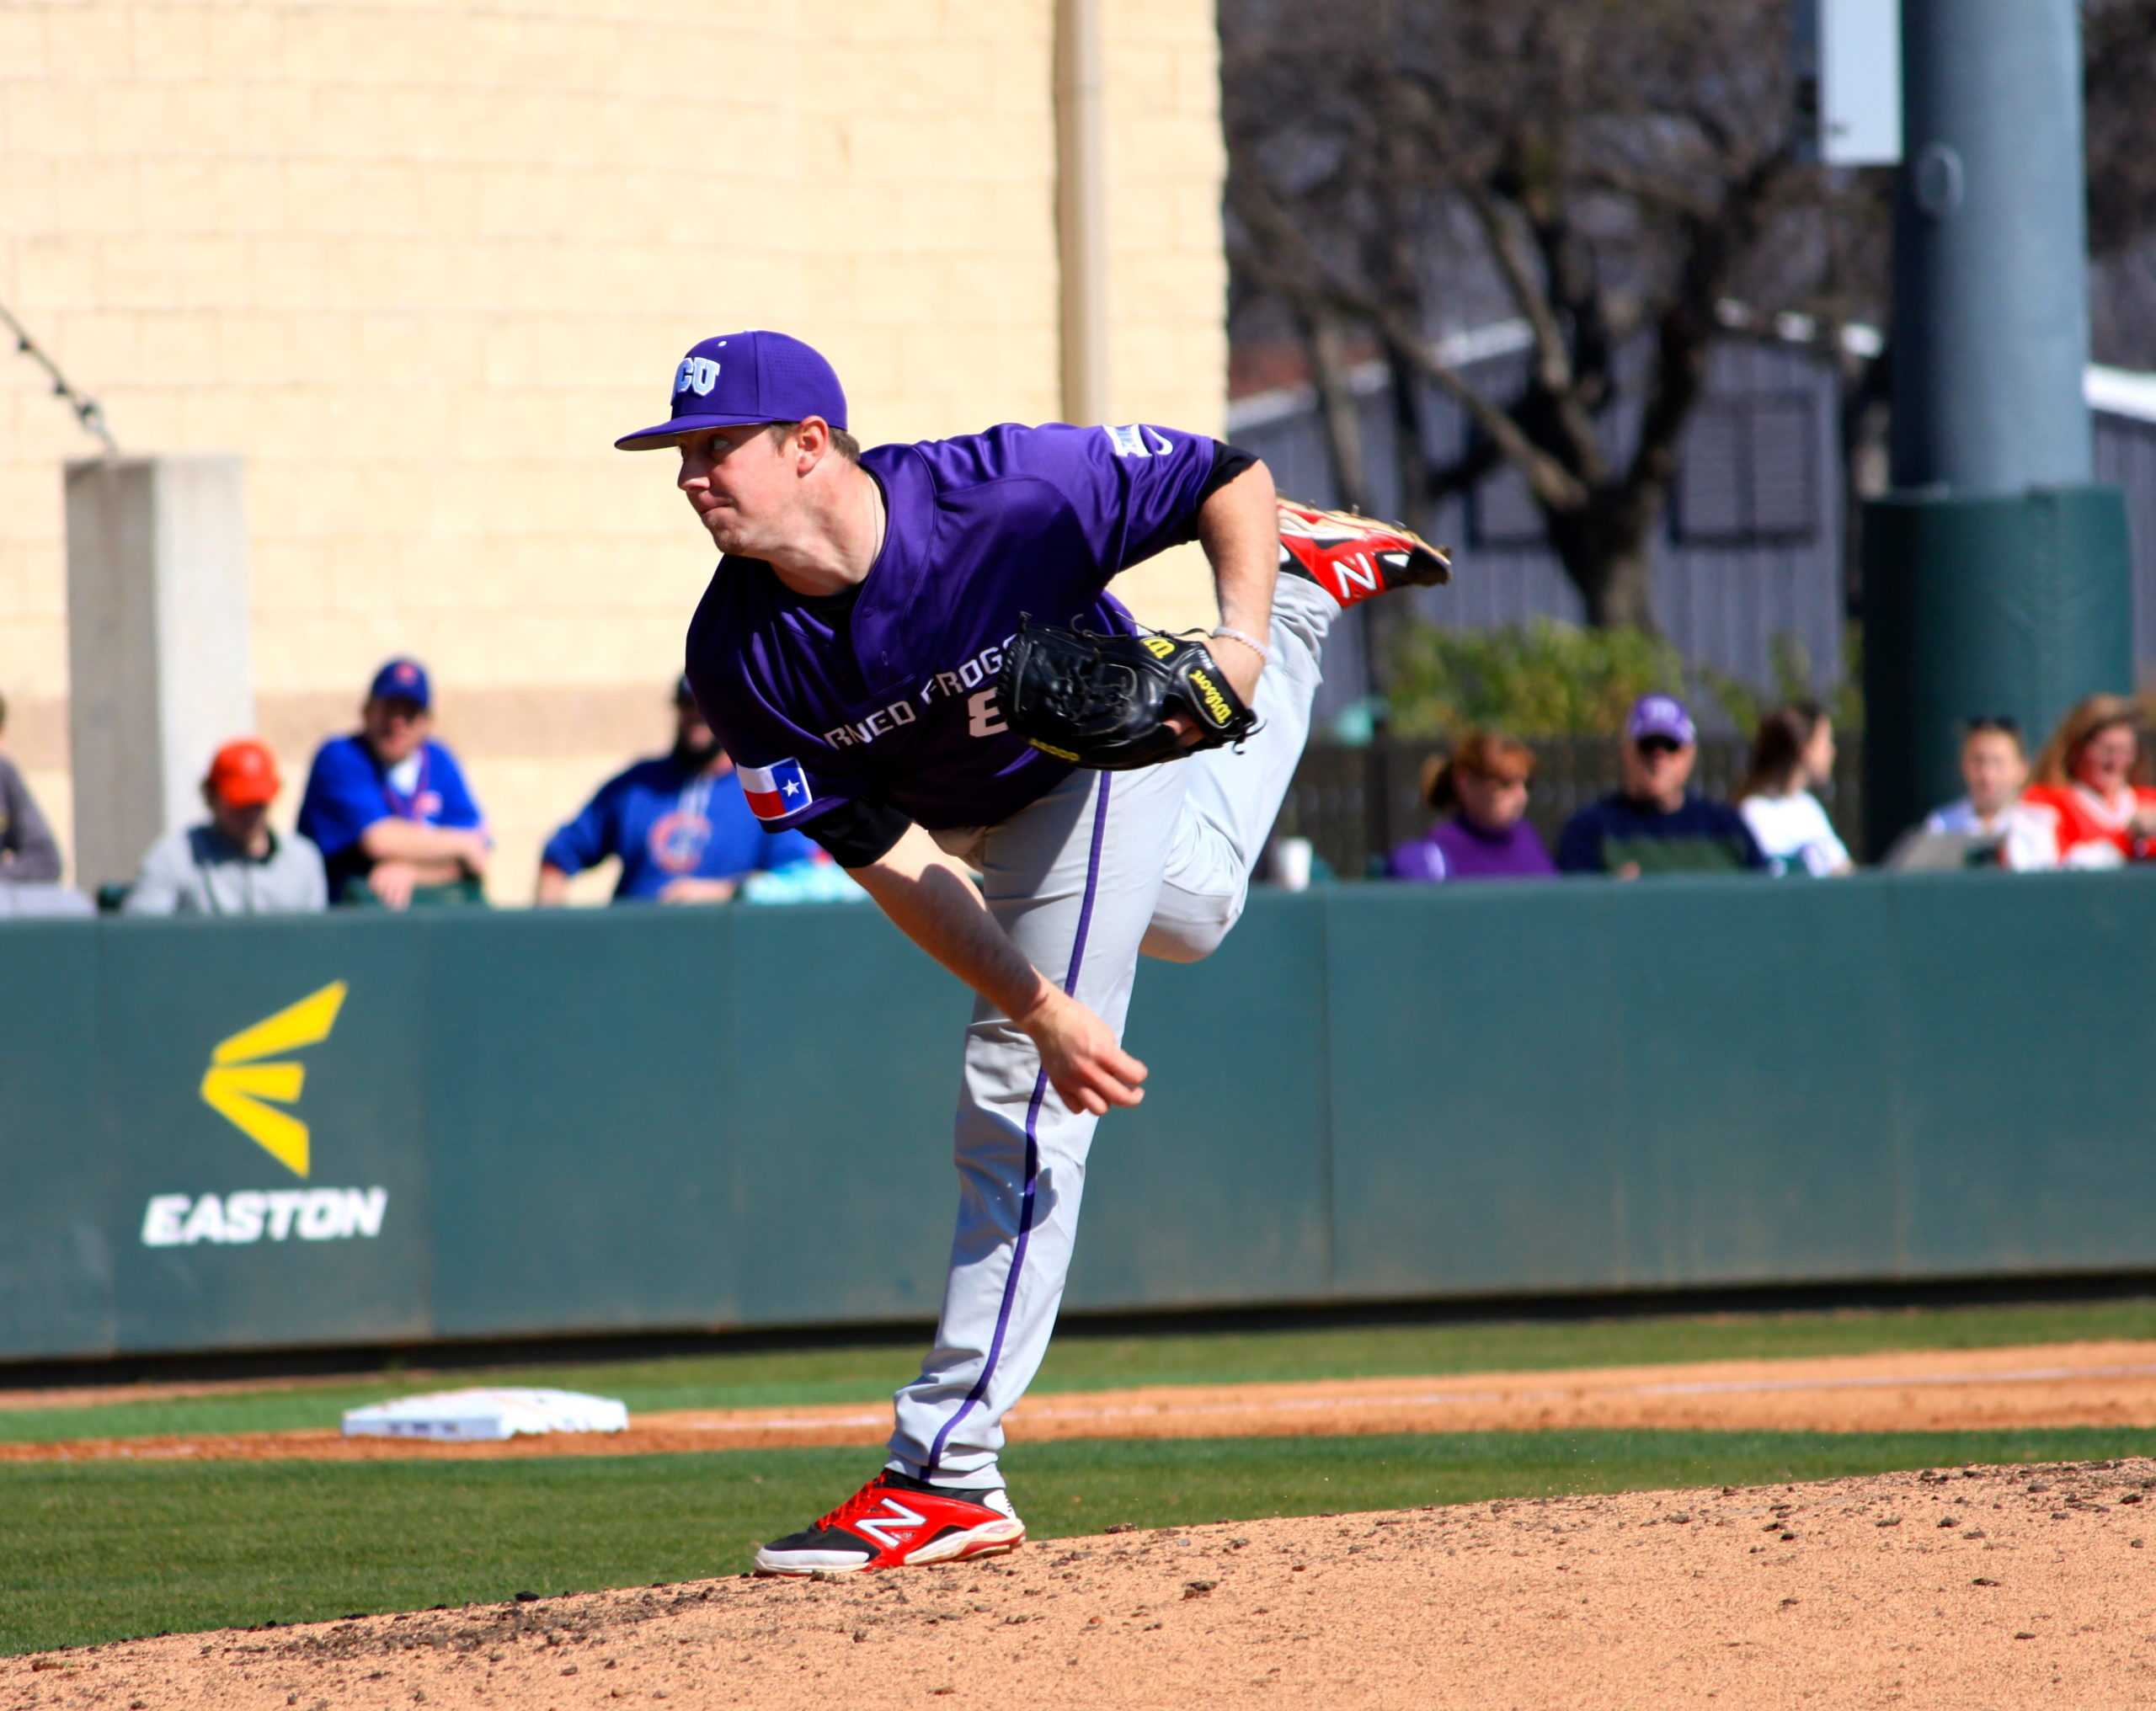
x=104 y=1550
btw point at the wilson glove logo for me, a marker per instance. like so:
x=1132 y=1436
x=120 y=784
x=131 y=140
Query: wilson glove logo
x=1213 y=703
x=247 y=1079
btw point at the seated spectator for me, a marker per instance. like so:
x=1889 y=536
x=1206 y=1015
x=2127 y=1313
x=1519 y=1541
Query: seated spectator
x=1486 y=836
x=1994 y=768
x=41 y=901
x=1792 y=753
x=29 y=855
x=387 y=806
x=2084 y=810
x=1654 y=825
x=682 y=833
x=233 y=864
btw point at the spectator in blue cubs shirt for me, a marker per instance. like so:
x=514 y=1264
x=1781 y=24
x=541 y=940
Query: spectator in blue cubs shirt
x=683 y=834
x=388 y=806
x=1654 y=825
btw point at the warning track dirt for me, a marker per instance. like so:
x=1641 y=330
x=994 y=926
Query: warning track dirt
x=2103 y=1383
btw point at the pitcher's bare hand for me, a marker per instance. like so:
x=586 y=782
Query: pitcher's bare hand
x=1088 y=1069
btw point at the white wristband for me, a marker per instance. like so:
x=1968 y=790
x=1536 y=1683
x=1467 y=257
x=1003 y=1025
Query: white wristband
x=1228 y=632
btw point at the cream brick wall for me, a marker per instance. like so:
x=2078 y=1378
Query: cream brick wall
x=419 y=263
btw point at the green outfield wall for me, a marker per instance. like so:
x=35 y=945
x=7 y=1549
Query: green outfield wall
x=361 y=1128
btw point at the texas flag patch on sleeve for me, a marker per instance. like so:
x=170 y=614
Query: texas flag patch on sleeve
x=775 y=792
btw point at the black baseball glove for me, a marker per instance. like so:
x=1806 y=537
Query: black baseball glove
x=1104 y=700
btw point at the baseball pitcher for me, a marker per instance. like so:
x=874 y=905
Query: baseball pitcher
x=916 y=660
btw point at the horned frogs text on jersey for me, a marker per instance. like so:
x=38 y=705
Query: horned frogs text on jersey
x=886 y=691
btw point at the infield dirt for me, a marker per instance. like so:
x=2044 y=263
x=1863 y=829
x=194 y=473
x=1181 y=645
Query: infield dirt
x=1970 y=1587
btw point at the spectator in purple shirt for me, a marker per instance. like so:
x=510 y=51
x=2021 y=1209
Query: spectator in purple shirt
x=1487 y=837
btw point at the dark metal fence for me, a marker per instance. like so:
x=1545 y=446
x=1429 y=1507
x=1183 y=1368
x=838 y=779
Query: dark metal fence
x=1356 y=803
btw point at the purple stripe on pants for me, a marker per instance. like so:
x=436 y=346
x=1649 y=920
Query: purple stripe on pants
x=1032 y=1150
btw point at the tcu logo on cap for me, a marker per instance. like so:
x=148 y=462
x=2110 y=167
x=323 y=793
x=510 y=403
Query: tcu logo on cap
x=697 y=374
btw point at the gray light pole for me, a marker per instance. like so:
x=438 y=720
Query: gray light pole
x=1995 y=575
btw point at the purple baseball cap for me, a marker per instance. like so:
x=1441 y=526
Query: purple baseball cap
x=740 y=378
x=401 y=681
x=1660 y=716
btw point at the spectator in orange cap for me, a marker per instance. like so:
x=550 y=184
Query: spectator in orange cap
x=233 y=864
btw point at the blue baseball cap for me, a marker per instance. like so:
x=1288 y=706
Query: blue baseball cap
x=741 y=378
x=401 y=681
x=1660 y=716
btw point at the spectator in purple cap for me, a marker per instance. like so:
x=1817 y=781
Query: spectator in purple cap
x=1486 y=836
x=1654 y=825
x=387 y=806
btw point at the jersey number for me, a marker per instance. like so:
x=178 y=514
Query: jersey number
x=987 y=718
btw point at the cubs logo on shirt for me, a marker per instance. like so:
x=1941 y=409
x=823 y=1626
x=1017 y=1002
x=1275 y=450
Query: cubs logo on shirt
x=775 y=791
x=677 y=840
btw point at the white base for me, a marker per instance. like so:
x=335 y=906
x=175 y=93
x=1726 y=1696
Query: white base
x=486 y=1416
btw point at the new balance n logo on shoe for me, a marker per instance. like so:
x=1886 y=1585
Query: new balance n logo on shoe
x=1353 y=557
x=891 y=1524
x=1355 y=570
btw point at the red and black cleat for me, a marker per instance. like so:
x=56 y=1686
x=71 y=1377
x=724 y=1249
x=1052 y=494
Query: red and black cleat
x=897 y=1521
x=1353 y=557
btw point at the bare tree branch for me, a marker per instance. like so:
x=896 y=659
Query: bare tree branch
x=1343 y=423
x=1551 y=482
x=1553 y=362
x=1281 y=255
x=1689 y=326
x=1618 y=179
x=1610 y=174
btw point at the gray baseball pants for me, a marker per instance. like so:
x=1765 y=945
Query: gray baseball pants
x=1105 y=867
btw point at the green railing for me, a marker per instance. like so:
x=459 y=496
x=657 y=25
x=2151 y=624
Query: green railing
x=521 y=1123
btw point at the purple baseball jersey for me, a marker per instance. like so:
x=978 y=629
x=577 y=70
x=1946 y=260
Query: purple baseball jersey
x=886 y=693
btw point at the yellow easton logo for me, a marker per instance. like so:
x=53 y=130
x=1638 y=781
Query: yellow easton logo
x=238 y=1080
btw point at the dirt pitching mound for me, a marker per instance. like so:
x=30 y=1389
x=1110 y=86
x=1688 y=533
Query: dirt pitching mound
x=1974 y=1587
